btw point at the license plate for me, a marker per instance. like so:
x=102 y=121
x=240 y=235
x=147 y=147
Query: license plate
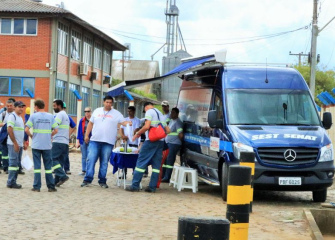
x=289 y=181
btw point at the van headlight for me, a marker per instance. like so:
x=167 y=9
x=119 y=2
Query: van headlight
x=240 y=147
x=326 y=153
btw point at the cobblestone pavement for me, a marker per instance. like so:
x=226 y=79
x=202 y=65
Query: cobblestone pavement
x=95 y=213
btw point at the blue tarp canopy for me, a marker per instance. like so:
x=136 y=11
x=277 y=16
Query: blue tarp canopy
x=184 y=66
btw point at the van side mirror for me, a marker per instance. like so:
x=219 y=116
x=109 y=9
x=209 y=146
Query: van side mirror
x=327 y=120
x=212 y=121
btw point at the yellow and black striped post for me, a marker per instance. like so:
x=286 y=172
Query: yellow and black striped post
x=238 y=201
x=248 y=159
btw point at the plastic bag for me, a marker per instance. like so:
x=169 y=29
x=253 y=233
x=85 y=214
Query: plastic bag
x=26 y=162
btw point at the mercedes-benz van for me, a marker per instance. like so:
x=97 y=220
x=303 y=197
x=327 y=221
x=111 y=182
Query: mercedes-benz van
x=265 y=110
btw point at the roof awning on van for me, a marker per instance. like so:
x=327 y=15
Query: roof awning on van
x=186 y=65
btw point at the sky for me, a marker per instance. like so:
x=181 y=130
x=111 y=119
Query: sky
x=243 y=27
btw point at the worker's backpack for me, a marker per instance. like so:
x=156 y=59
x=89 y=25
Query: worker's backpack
x=4 y=133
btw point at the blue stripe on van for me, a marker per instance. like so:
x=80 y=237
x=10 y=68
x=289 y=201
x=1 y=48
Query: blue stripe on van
x=204 y=141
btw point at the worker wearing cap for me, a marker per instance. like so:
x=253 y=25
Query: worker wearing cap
x=15 y=129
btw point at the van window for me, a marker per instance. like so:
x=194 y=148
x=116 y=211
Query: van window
x=218 y=107
x=194 y=105
x=271 y=107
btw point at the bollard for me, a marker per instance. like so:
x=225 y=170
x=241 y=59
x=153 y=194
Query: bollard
x=238 y=201
x=203 y=228
x=248 y=159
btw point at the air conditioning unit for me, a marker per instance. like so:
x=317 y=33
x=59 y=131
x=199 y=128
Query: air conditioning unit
x=83 y=68
x=94 y=76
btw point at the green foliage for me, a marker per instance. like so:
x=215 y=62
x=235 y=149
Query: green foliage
x=324 y=79
x=115 y=81
x=142 y=93
x=159 y=107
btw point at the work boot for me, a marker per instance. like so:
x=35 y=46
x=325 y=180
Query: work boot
x=149 y=190
x=52 y=190
x=85 y=184
x=103 y=185
x=35 y=190
x=15 y=186
x=68 y=172
x=62 y=181
x=21 y=172
x=131 y=189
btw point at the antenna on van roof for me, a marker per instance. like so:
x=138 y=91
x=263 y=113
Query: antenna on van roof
x=266 y=71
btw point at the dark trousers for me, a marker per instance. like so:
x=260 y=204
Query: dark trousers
x=59 y=153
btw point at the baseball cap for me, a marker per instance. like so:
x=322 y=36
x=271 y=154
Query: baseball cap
x=64 y=105
x=19 y=103
x=165 y=103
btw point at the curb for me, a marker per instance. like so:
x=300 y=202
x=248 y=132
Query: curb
x=313 y=227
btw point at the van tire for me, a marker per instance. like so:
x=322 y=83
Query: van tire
x=224 y=181
x=320 y=196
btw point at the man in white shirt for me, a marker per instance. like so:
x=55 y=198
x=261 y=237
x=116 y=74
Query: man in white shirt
x=103 y=125
x=127 y=132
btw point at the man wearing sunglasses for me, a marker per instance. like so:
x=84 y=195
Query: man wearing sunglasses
x=81 y=139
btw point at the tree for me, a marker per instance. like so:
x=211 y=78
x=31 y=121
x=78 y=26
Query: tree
x=324 y=79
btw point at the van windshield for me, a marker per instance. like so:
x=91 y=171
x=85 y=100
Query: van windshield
x=271 y=107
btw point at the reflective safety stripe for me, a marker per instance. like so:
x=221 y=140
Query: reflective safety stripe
x=48 y=171
x=29 y=123
x=139 y=169
x=179 y=130
x=5 y=157
x=54 y=125
x=173 y=134
x=64 y=126
x=41 y=131
x=148 y=117
x=155 y=122
x=0 y=152
x=56 y=166
x=167 y=166
x=58 y=120
x=37 y=170
x=155 y=170
x=10 y=123
x=18 y=129
x=13 y=168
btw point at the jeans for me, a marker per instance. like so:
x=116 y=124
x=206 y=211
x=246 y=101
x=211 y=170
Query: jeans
x=59 y=153
x=84 y=154
x=151 y=152
x=66 y=165
x=13 y=168
x=102 y=151
x=173 y=150
x=47 y=161
x=4 y=157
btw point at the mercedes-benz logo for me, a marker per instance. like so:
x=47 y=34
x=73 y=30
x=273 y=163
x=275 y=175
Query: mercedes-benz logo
x=290 y=155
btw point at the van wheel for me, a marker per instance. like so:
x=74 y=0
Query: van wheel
x=320 y=196
x=224 y=181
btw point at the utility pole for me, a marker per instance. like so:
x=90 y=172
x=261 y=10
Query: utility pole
x=315 y=33
x=313 y=47
x=299 y=54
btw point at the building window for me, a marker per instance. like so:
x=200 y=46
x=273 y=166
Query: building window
x=72 y=104
x=16 y=86
x=62 y=38
x=60 y=90
x=97 y=56
x=107 y=61
x=87 y=53
x=18 y=26
x=96 y=99
x=75 y=45
x=86 y=98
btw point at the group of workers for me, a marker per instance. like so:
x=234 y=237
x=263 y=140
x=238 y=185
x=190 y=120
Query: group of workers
x=96 y=137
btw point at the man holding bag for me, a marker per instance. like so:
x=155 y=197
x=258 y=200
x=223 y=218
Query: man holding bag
x=44 y=127
x=151 y=151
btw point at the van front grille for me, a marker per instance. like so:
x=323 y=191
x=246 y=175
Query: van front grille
x=288 y=156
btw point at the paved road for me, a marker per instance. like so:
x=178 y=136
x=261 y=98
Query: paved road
x=95 y=213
